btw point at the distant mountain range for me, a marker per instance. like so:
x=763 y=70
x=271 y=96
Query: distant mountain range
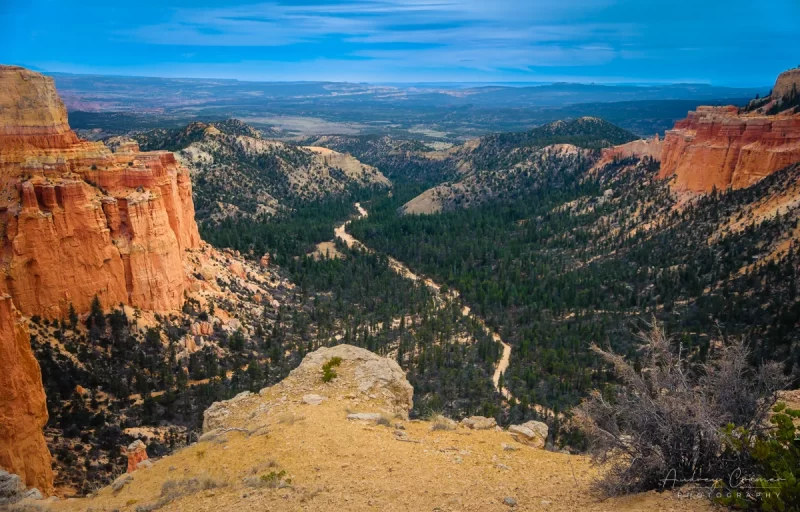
x=445 y=112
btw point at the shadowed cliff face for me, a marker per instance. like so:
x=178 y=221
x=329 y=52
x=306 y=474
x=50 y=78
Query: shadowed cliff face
x=722 y=147
x=78 y=220
x=23 y=411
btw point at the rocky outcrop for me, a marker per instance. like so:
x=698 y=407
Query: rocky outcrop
x=372 y=384
x=373 y=375
x=23 y=408
x=642 y=148
x=78 y=220
x=136 y=453
x=722 y=147
x=786 y=83
x=717 y=147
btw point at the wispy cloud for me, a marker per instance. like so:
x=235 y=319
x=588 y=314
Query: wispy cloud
x=527 y=40
x=432 y=33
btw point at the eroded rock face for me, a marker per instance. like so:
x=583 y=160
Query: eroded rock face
x=23 y=408
x=78 y=220
x=642 y=148
x=717 y=147
x=722 y=147
x=786 y=82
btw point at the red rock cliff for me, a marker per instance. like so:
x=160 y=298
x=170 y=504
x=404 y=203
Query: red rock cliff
x=23 y=410
x=718 y=146
x=77 y=219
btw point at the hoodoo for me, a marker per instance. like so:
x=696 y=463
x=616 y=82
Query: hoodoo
x=78 y=220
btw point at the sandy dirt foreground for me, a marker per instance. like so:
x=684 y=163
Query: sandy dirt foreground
x=333 y=463
x=337 y=464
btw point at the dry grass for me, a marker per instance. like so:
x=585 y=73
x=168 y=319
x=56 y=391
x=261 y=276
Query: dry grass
x=336 y=464
x=172 y=490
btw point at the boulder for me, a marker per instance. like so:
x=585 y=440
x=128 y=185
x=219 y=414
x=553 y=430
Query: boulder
x=11 y=487
x=215 y=416
x=313 y=399
x=364 y=416
x=479 y=423
x=531 y=433
x=121 y=482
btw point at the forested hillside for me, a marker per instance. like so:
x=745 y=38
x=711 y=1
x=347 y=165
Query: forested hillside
x=237 y=173
x=584 y=258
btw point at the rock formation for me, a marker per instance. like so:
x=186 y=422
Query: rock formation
x=78 y=220
x=23 y=409
x=722 y=147
x=650 y=148
x=136 y=453
x=376 y=383
x=786 y=82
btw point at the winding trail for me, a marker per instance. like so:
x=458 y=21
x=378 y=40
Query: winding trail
x=401 y=269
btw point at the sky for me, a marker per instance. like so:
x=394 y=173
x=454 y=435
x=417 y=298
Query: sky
x=730 y=42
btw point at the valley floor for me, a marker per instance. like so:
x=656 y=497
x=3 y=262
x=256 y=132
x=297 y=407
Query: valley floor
x=403 y=270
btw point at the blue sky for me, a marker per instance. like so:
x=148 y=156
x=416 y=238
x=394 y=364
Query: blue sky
x=731 y=42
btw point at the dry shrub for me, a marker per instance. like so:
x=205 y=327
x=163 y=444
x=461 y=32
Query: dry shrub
x=384 y=420
x=668 y=418
x=441 y=422
x=172 y=490
x=271 y=480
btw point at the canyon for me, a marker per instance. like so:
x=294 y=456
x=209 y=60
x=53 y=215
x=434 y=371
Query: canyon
x=84 y=220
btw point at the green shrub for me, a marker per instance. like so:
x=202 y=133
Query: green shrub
x=773 y=484
x=328 y=372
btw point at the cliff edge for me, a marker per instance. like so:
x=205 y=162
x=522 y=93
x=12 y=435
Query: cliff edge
x=78 y=219
x=343 y=442
x=722 y=147
x=23 y=409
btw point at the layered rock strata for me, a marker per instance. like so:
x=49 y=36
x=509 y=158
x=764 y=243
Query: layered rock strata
x=78 y=220
x=724 y=147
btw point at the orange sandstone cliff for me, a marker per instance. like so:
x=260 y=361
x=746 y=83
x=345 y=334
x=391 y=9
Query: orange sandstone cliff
x=23 y=410
x=722 y=147
x=78 y=219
